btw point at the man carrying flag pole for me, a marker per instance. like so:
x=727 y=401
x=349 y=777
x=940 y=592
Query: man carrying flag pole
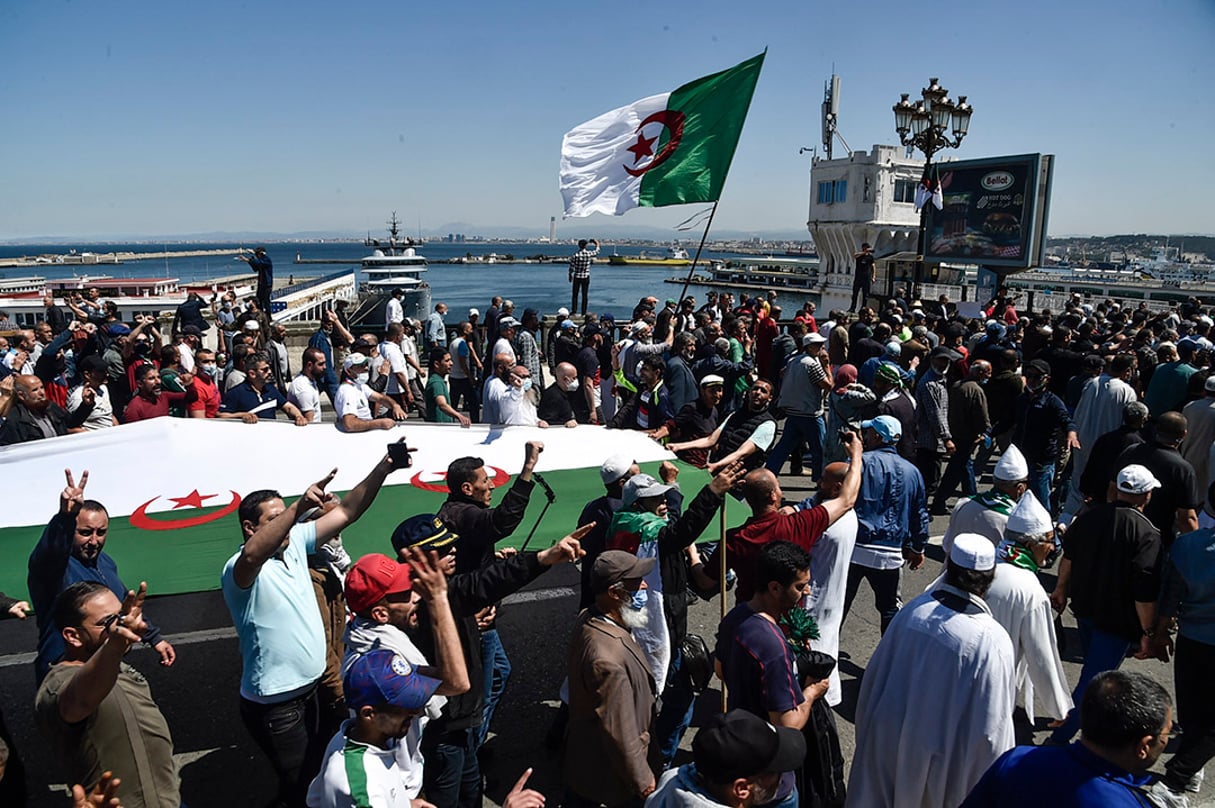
x=667 y=149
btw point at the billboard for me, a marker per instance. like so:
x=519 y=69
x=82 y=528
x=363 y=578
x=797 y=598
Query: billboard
x=994 y=212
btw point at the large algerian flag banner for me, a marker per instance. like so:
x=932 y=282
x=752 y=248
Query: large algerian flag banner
x=668 y=149
x=172 y=486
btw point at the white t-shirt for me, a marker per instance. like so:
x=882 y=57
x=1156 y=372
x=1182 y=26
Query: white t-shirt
x=102 y=415
x=503 y=346
x=409 y=348
x=394 y=313
x=458 y=348
x=377 y=782
x=304 y=393
x=352 y=399
x=397 y=364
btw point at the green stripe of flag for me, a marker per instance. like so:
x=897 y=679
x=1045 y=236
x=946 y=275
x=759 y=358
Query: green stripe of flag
x=714 y=108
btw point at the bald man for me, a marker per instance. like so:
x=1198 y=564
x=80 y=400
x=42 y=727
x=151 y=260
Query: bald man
x=769 y=523
x=33 y=416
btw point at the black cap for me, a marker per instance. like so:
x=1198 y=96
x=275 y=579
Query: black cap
x=741 y=744
x=1038 y=366
x=949 y=353
x=424 y=531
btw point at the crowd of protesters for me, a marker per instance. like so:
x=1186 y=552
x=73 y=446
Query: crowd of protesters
x=374 y=681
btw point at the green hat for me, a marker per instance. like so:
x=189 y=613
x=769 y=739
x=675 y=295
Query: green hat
x=889 y=373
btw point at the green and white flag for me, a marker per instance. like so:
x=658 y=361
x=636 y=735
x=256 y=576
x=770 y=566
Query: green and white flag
x=668 y=149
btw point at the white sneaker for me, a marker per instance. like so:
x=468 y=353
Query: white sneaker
x=1162 y=796
x=1195 y=784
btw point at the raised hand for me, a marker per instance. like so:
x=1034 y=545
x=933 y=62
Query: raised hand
x=103 y=795
x=522 y=797
x=73 y=495
x=428 y=576
x=726 y=477
x=130 y=625
x=315 y=496
x=569 y=548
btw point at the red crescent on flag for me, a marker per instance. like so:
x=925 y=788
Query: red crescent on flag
x=671 y=119
x=499 y=479
x=141 y=520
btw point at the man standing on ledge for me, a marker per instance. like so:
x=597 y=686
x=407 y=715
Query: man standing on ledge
x=260 y=263
x=863 y=276
x=580 y=272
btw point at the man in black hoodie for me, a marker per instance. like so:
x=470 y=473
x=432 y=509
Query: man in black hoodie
x=452 y=775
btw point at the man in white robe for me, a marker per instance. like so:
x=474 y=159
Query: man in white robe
x=1102 y=401
x=987 y=512
x=829 y=560
x=936 y=702
x=1022 y=607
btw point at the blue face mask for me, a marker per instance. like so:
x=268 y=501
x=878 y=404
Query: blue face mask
x=527 y=385
x=639 y=599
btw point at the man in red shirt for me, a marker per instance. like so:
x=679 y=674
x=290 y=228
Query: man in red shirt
x=770 y=522
x=150 y=400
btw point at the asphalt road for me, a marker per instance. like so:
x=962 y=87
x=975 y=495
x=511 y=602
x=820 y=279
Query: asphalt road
x=221 y=767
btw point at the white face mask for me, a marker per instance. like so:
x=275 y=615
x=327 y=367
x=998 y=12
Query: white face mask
x=209 y=369
x=573 y=384
x=363 y=378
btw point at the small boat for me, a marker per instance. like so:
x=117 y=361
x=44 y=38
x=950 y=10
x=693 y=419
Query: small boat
x=675 y=257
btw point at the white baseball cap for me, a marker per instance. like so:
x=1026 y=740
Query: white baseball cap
x=641 y=486
x=973 y=552
x=353 y=360
x=1136 y=479
x=813 y=338
x=614 y=468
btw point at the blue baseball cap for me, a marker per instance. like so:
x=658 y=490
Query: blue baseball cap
x=887 y=427
x=385 y=677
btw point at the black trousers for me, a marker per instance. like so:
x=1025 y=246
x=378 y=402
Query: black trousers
x=1193 y=671
x=885 y=585
x=928 y=461
x=579 y=283
x=861 y=291
x=290 y=734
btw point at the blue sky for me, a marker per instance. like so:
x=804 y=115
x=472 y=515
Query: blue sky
x=168 y=118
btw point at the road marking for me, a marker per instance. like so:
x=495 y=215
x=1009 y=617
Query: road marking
x=228 y=633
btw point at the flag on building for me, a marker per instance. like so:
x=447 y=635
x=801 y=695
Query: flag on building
x=668 y=149
x=173 y=500
x=929 y=190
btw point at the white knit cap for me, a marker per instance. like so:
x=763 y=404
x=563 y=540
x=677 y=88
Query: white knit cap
x=1012 y=466
x=1029 y=517
x=973 y=552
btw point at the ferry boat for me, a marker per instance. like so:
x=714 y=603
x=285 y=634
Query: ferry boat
x=395 y=265
x=760 y=274
x=675 y=257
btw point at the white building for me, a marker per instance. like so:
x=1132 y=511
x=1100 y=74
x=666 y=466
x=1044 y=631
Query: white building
x=864 y=197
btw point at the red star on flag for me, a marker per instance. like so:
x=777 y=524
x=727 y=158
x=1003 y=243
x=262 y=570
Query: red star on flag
x=191 y=500
x=642 y=147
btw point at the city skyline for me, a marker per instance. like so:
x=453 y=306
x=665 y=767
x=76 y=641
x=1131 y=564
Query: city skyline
x=148 y=119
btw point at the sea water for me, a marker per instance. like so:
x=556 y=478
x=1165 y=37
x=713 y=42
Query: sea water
x=614 y=289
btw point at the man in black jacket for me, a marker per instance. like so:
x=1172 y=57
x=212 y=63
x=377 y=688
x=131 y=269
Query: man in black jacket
x=33 y=416
x=452 y=775
x=467 y=513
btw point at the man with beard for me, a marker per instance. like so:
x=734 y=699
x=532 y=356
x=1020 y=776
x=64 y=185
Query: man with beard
x=33 y=416
x=98 y=712
x=612 y=694
x=323 y=340
x=305 y=389
x=384 y=597
x=745 y=435
x=697 y=419
x=679 y=379
x=72 y=549
x=756 y=663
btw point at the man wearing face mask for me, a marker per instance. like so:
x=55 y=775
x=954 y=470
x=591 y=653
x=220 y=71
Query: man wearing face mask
x=354 y=400
x=560 y=400
x=514 y=405
x=72 y=549
x=208 y=399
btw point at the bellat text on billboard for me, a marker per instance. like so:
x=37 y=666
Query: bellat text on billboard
x=994 y=212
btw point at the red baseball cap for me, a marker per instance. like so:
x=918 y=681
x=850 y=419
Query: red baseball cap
x=371 y=578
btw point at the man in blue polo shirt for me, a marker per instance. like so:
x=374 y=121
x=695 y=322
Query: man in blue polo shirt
x=257 y=396
x=268 y=590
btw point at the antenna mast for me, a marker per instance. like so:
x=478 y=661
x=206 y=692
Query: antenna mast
x=831 y=114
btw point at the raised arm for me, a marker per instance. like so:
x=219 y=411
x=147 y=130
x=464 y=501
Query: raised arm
x=83 y=694
x=356 y=503
x=431 y=583
x=852 y=481
x=263 y=544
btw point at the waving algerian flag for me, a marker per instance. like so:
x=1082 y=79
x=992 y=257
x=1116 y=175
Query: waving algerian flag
x=667 y=149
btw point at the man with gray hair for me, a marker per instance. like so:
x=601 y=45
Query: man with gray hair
x=1094 y=482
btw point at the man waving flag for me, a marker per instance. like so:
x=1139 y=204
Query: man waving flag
x=668 y=149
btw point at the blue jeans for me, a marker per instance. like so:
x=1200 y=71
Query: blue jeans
x=290 y=734
x=451 y=777
x=1041 y=481
x=676 y=714
x=798 y=428
x=496 y=667
x=1102 y=652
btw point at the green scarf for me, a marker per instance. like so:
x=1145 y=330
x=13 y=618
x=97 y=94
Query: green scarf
x=997 y=501
x=1018 y=556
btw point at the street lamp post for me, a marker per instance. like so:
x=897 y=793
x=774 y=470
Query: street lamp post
x=923 y=125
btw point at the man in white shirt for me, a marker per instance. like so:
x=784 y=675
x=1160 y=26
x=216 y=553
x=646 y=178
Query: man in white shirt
x=305 y=389
x=354 y=399
x=93 y=391
x=515 y=406
x=394 y=312
x=397 y=387
x=413 y=370
x=505 y=346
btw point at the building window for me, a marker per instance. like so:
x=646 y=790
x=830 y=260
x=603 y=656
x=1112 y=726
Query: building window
x=841 y=190
x=904 y=191
x=825 y=196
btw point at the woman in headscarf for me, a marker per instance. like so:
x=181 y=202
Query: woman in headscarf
x=848 y=404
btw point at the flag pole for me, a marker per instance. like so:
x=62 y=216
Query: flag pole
x=684 y=292
x=721 y=576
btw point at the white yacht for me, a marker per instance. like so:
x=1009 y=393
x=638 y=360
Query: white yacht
x=392 y=265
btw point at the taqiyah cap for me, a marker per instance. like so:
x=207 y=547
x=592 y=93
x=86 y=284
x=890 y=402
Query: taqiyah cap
x=1136 y=479
x=887 y=427
x=637 y=327
x=1029 y=516
x=385 y=677
x=973 y=552
x=641 y=486
x=1012 y=466
x=354 y=360
x=1209 y=384
x=371 y=578
x=615 y=467
x=741 y=744
x=614 y=566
